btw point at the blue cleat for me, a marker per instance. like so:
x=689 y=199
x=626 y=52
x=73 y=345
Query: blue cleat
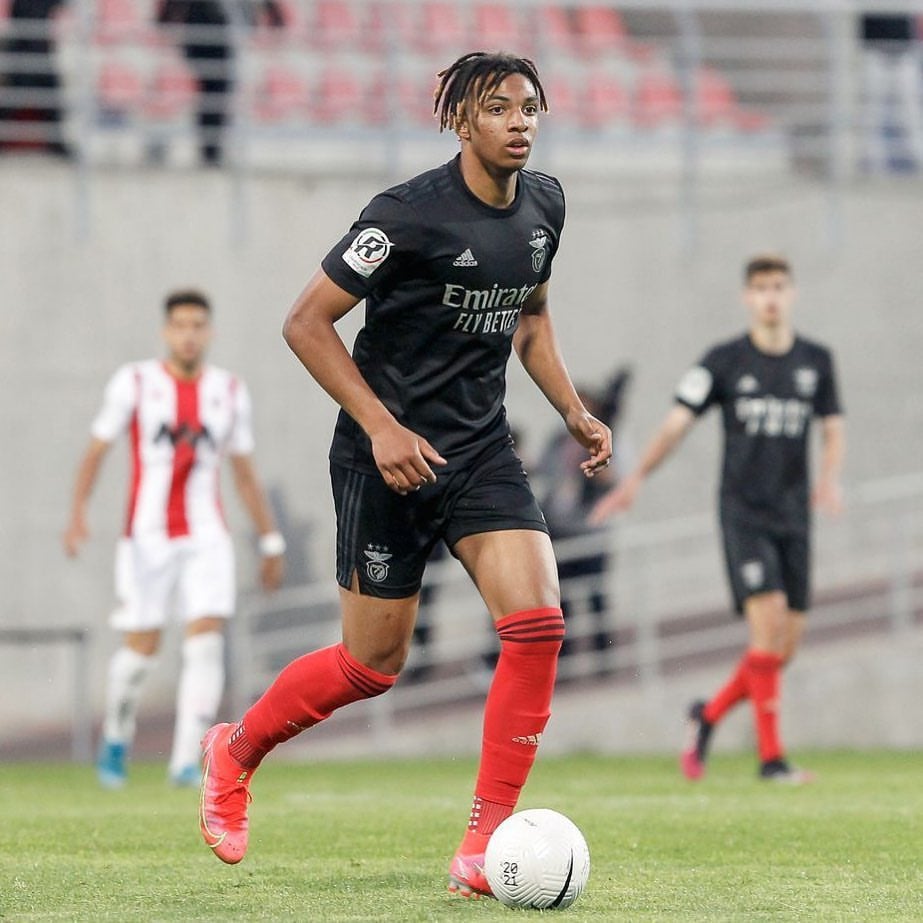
x=110 y=765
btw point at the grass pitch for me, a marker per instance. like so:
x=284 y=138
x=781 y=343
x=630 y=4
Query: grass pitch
x=372 y=841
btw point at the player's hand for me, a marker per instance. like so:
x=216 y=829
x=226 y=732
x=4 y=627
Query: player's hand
x=615 y=501
x=77 y=533
x=272 y=570
x=404 y=458
x=594 y=436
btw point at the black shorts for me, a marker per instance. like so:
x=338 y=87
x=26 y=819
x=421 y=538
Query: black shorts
x=762 y=560
x=385 y=538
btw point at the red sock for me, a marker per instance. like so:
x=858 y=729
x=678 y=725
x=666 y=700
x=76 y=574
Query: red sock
x=306 y=692
x=764 y=674
x=735 y=690
x=515 y=714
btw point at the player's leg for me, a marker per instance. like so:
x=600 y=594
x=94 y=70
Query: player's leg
x=144 y=575
x=380 y=563
x=516 y=575
x=753 y=568
x=205 y=600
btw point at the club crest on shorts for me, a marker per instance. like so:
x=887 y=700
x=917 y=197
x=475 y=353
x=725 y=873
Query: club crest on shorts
x=753 y=574
x=377 y=567
x=368 y=251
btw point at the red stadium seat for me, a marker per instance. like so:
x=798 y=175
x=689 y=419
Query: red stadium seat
x=563 y=100
x=280 y=94
x=658 y=99
x=119 y=86
x=405 y=98
x=607 y=102
x=497 y=28
x=443 y=28
x=715 y=101
x=119 y=21
x=336 y=24
x=599 y=30
x=172 y=91
x=554 y=29
x=337 y=97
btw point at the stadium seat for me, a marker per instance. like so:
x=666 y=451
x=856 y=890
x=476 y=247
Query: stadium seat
x=606 y=104
x=404 y=99
x=337 y=97
x=172 y=90
x=497 y=28
x=443 y=29
x=599 y=30
x=119 y=86
x=715 y=101
x=119 y=21
x=563 y=100
x=335 y=25
x=281 y=94
x=658 y=99
x=389 y=20
x=554 y=29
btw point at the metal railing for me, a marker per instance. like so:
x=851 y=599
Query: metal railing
x=665 y=604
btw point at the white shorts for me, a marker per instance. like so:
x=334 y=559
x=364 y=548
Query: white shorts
x=158 y=577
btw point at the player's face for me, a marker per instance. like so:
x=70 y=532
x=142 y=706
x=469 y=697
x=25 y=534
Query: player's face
x=769 y=296
x=187 y=333
x=501 y=128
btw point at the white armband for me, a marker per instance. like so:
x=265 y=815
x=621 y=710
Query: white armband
x=272 y=544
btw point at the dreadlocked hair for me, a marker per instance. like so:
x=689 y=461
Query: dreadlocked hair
x=477 y=75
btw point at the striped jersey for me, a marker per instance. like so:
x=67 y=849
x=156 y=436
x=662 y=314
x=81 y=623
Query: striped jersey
x=178 y=433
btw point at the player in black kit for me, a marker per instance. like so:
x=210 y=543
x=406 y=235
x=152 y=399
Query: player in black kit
x=770 y=384
x=453 y=266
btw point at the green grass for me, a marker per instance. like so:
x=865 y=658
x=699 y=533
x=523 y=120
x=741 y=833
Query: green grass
x=372 y=841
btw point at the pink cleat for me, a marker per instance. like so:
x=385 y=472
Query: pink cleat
x=692 y=759
x=690 y=764
x=467 y=878
x=224 y=797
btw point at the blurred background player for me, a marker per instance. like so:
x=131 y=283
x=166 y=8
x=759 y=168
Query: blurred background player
x=769 y=384
x=182 y=417
x=454 y=267
x=581 y=548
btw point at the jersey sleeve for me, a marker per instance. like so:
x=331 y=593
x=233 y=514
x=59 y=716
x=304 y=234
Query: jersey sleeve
x=699 y=385
x=120 y=399
x=241 y=440
x=376 y=247
x=827 y=399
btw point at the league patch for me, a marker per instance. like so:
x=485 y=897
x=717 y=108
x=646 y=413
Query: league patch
x=539 y=253
x=806 y=381
x=368 y=251
x=695 y=386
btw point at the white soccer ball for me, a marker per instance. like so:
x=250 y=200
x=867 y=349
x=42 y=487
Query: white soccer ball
x=537 y=858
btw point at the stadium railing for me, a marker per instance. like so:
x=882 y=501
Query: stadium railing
x=667 y=605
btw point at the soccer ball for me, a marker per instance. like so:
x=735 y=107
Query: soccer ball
x=537 y=858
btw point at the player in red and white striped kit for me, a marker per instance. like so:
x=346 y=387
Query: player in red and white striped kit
x=175 y=557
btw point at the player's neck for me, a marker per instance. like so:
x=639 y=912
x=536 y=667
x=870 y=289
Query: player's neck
x=494 y=188
x=183 y=371
x=773 y=340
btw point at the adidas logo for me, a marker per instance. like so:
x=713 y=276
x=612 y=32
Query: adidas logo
x=465 y=259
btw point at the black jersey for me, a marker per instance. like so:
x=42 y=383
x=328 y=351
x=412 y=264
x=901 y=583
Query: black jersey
x=444 y=277
x=767 y=403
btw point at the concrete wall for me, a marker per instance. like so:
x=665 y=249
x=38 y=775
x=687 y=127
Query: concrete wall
x=74 y=304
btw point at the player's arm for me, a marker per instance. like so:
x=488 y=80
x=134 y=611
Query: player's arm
x=536 y=345
x=828 y=493
x=77 y=531
x=402 y=456
x=674 y=427
x=271 y=544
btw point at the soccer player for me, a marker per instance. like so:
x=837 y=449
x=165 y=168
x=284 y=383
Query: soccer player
x=454 y=267
x=769 y=383
x=182 y=417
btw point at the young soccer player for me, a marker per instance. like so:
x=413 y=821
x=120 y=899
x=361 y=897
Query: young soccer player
x=769 y=383
x=182 y=417
x=454 y=267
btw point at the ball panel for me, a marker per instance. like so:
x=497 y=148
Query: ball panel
x=537 y=858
